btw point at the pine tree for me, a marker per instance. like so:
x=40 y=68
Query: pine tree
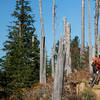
x=21 y=62
x=56 y=50
x=75 y=53
x=48 y=67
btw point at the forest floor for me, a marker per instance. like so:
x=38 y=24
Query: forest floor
x=96 y=89
x=72 y=87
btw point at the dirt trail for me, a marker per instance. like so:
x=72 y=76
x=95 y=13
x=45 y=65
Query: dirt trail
x=96 y=89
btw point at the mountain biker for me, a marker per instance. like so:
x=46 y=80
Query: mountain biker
x=96 y=67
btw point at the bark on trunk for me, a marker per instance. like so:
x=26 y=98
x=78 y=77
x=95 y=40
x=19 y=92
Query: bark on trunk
x=93 y=52
x=53 y=63
x=54 y=24
x=20 y=30
x=42 y=61
x=59 y=72
x=90 y=42
x=53 y=50
x=96 y=25
x=99 y=45
x=65 y=28
x=42 y=25
x=92 y=55
x=33 y=38
x=42 y=50
x=68 y=53
x=67 y=32
x=83 y=28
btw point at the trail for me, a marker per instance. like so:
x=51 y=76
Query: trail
x=96 y=89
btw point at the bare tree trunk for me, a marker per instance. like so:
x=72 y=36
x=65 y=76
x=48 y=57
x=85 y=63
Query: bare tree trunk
x=42 y=61
x=92 y=55
x=20 y=30
x=93 y=52
x=99 y=45
x=42 y=50
x=59 y=72
x=67 y=32
x=33 y=39
x=54 y=24
x=68 y=53
x=83 y=28
x=42 y=25
x=53 y=50
x=65 y=28
x=90 y=42
x=32 y=46
x=96 y=25
x=53 y=63
x=65 y=41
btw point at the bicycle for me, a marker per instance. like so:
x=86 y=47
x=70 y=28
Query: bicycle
x=96 y=79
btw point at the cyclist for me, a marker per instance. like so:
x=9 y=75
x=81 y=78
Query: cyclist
x=96 y=67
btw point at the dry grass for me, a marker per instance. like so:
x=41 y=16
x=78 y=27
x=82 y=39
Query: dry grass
x=88 y=94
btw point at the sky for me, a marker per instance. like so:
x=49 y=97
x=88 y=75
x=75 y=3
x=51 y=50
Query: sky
x=71 y=9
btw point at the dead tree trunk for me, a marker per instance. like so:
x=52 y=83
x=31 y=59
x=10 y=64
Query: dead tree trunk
x=54 y=24
x=99 y=45
x=20 y=30
x=90 y=42
x=59 y=72
x=68 y=53
x=42 y=50
x=65 y=42
x=67 y=32
x=65 y=28
x=33 y=39
x=53 y=62
x=42 y=25
x=42 y=61
x=93 y=52
x=96 y=26
x=83 y=28
x=53 y=50
x=82 y=57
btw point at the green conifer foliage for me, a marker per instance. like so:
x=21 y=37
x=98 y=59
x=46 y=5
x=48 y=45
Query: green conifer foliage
x=75 y=53
x=21 y=62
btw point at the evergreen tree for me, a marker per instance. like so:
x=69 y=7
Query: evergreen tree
x=48 y=67
x=75 y=53
x=84 y=61
x=21 y=63
x=56 y=50
x=77 y=61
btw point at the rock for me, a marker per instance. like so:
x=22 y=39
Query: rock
x=80 y=87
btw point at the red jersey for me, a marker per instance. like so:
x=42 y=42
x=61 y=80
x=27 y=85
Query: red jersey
x=97 y=60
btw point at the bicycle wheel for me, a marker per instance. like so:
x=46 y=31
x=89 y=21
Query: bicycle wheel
x=94 y=81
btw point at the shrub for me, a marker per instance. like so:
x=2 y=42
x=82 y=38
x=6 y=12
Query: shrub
x=75 y=97
x=88 y=94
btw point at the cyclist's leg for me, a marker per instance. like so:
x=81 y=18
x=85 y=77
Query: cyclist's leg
x=93 y=74
x=98 y=79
